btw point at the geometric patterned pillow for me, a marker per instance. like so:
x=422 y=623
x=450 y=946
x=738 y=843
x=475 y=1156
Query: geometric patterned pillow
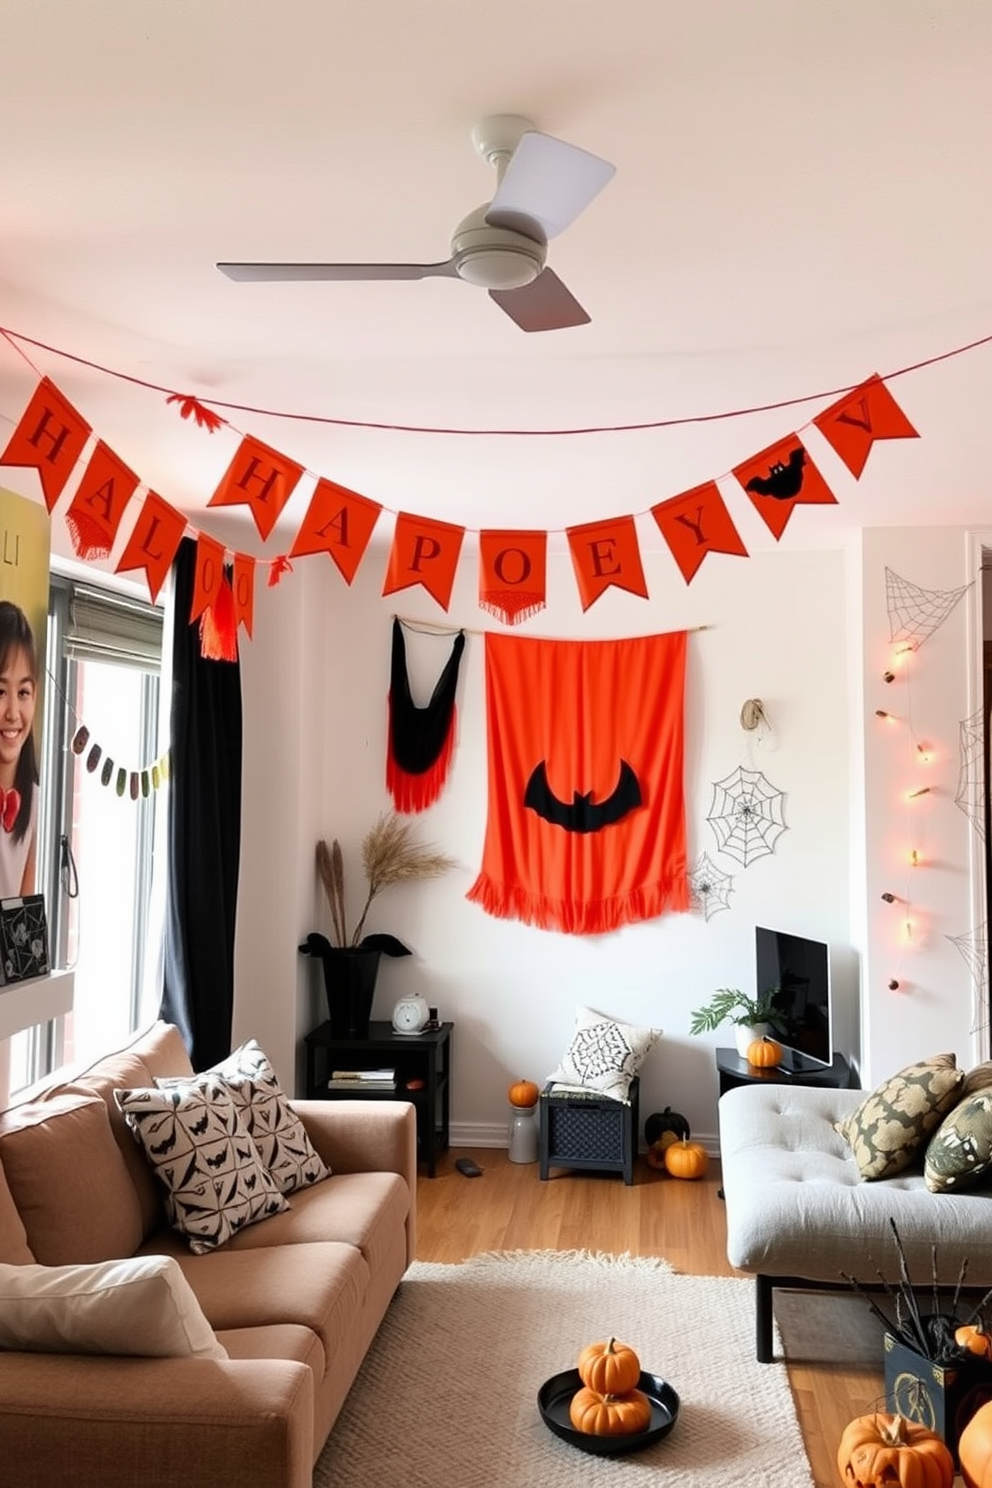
x=270 y=1121
x=215 y=1181
x=894 y=1122
x=604 y=1055
x=960 y=1150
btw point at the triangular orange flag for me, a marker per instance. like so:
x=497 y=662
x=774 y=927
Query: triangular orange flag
x=780 y=478
x=513 y=574
x=243 y=588
x=854 y=422
x=49 y=438
x=96 y=509
x=338 y=522
x=154 y=539
x=696 y=523
x=208 y=575
x=424 y=552
x=261 y=478
x=605 y=553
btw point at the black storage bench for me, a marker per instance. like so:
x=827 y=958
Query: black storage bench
x=588 y=1130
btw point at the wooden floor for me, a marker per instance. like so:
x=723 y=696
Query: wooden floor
x=509 y=1208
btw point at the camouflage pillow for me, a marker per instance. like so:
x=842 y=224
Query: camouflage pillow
x=892 y=1124
x=960 y=1150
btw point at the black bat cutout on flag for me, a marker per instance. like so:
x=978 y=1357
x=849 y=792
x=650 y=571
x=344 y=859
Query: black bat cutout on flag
x=782 y=481
x=580 y=815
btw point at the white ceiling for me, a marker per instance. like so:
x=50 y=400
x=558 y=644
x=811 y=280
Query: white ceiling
x=802 y=198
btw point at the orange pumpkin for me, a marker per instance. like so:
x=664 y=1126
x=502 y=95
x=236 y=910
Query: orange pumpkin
x=611 y=1368
x=609 y=1415
x=881 y=1449
x=686 y=1159
x=973 y=1337
x=975 y=1449
x=523 y=1093
x=764 y=1053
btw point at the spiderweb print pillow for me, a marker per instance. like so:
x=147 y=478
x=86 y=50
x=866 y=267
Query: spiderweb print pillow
x=604 y=1055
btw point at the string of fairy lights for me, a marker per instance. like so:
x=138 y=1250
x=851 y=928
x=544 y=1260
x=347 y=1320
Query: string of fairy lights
x=914 y=790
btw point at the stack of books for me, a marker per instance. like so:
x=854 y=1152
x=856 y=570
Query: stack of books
x=362 y=1079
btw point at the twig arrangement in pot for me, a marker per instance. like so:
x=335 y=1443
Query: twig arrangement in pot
x=942 y=1337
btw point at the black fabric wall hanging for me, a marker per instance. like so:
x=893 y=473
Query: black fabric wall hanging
x=421 y=740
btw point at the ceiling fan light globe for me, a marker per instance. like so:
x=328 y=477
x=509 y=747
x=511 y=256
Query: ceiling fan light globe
x=495 y=257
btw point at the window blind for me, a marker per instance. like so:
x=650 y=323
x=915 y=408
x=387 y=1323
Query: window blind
x=110 y=627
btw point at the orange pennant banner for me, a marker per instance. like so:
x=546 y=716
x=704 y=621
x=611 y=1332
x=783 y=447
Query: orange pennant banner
x=338 y=522
x=243 y=587
x=605 y=553
x=783 y=477
x=854 y=422
x=96 y=509
x=424 y=552
x=153 y=542
x=513 y=574
x=208 y=576
x=696 y=523
x=49 y=438
x=261 y=478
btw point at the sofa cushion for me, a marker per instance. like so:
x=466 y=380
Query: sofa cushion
x=139 y=1306
x=151 y=1052
x=893 y=1124
x=276 y=1129
x=69 y=1181
x=14 y=1247
x=959 y=1154
x=215 y=1181
x=604 y=1054
x=321 y=1286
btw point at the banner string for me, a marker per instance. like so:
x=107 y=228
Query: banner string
x=314 y=418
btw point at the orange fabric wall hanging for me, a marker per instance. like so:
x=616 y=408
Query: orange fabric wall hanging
x=586 y=820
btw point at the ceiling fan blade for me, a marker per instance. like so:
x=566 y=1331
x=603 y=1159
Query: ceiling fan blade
x=543 y=305
x=548 y=182
x=283 y=272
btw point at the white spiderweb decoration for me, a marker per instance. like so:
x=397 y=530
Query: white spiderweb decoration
x=746 y=815
x=970 y=794
x=710 y=889
x=915 y=613
x=974 y=948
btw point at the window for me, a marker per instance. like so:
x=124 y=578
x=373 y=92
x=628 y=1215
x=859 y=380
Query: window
x=101 y=854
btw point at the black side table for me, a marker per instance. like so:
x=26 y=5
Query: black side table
x=734 y=1071
x=415 y=1056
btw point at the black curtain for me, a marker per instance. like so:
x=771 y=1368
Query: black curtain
x=204 y=834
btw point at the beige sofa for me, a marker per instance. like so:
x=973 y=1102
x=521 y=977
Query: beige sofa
x=294 y=1299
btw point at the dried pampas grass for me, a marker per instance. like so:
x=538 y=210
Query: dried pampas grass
x=389 y=856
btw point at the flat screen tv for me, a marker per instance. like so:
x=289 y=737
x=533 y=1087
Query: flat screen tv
x=800 y=969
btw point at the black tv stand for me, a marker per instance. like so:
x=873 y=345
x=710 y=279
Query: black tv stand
x=733 y=1071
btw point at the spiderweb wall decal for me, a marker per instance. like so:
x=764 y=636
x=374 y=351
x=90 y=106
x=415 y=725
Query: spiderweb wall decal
x=974 y=949
x=746 y=815
x=710 y=889
x=915 y=613
x=970 y=794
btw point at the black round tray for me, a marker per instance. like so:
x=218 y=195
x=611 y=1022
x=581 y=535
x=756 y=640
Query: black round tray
x=555 y=1396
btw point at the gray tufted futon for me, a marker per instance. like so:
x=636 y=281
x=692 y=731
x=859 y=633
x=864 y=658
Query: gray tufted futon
x=799 y=1214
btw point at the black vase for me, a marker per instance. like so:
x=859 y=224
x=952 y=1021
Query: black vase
x=349 y=981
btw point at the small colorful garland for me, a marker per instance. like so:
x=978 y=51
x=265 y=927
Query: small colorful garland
x=140 y=782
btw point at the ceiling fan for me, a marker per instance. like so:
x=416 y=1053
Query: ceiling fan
x=543 y=184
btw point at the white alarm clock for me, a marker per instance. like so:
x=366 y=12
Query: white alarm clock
x=411 y=1015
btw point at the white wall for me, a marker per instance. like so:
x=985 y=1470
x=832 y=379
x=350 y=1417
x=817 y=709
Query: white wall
x=939 y=1005
x=776 y=629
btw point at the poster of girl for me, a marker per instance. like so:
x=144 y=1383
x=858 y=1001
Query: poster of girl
x=18 y=753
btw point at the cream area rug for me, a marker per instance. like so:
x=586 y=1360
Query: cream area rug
x=448 y=1392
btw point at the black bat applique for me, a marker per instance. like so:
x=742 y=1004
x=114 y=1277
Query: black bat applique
x=580 y=815
x=782 y=481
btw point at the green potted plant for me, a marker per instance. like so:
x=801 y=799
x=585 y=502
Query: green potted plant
x=752 y=1017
